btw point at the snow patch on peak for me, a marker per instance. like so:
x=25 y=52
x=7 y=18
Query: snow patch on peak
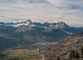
x=28 y=22
x=67 y=32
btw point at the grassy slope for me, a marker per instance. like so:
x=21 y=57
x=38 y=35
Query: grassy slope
x=23 y=54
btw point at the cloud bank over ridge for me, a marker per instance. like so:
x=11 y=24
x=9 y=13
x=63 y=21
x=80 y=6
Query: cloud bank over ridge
x=69 y=11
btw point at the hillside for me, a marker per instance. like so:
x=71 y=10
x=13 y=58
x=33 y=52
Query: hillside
x=21 y=54
x=63 y=48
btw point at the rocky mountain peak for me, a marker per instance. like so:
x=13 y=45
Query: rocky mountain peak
x=61 y=25
x=29 y=21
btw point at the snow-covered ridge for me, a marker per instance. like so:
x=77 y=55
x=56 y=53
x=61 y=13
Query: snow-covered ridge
x=28 y=22
x=59 y=25
x=25 y=23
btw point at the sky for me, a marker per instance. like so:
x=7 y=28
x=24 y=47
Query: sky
x=69 y=11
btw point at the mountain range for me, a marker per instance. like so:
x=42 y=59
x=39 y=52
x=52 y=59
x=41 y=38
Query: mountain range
x=28 y=32
x=29 y=25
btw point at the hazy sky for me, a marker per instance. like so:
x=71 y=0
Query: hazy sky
x=69 y=11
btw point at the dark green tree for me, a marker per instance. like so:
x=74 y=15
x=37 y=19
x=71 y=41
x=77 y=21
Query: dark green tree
x=77 y=55
x=58 y=58
x=82 y=52
x=72 y=55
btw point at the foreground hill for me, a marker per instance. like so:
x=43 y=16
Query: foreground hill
x=63 y=48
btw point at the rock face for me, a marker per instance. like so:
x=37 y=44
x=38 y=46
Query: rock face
x=46 y=26
x=64 y=47
x=61 y=25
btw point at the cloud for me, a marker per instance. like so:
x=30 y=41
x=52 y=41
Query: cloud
x=69 y=11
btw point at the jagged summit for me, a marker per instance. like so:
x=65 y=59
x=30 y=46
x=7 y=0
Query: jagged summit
x=61 y=25
x=29 y=25
x=29 y=21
